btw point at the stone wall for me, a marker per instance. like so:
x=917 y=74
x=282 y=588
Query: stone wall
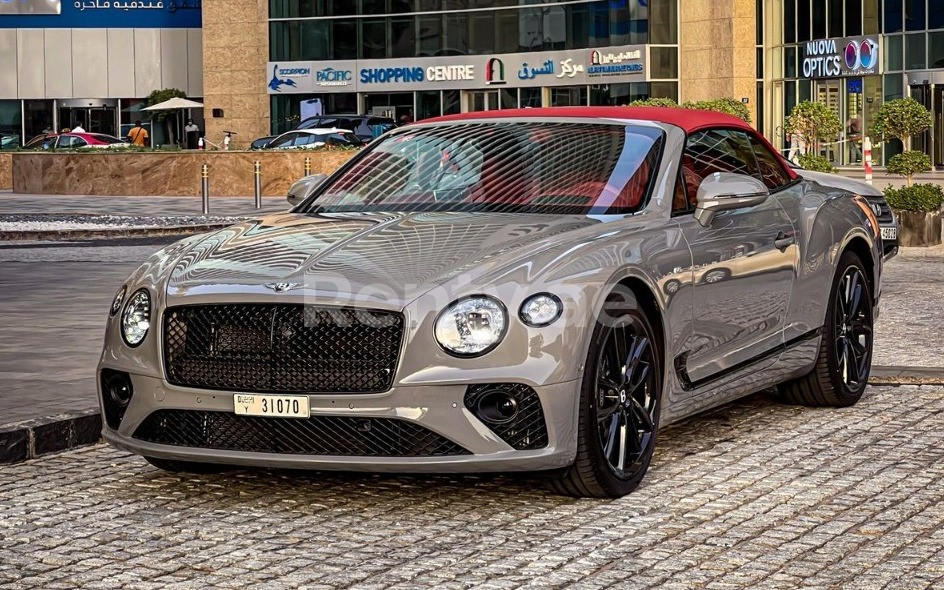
x=235 y=51
x=165 y=174
x=6 y=172
x=718 y=51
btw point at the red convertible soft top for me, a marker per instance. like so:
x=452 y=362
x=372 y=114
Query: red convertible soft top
x=688 y=119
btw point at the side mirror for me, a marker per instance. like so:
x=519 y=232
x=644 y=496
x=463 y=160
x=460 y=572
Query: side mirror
x=723 y=191
x=303 y=187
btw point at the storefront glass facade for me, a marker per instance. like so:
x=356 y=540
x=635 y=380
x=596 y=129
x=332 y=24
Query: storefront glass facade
x=428 y=32
x=806 y=43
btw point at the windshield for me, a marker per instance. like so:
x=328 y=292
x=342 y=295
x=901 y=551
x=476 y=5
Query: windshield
x=528 y=167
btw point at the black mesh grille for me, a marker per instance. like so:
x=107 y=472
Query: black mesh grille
x=281 y=348
x=884 y=213
x=527 y=430
x=318 y=435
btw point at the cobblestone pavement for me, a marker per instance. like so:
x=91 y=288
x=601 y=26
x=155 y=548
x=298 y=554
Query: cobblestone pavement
x=54 y=297
x=752 y=495
x=910 y=328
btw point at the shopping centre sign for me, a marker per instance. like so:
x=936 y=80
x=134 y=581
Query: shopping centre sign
x=606 y=65
x=840 y=57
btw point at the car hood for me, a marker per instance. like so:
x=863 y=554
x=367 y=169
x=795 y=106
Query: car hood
x=383 y=259
x=841 y=182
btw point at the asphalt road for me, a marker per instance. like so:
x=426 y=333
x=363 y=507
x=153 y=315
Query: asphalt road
x=54 y=298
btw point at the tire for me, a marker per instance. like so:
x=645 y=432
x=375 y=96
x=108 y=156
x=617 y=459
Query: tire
x=186 y=466
x=607 y=405
x=716 y=276
x=833 y=383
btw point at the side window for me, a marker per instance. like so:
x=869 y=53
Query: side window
x=772 y=171
x=679 y=198
x=304 y=139
x=716 y=150
x=78 y=142
x=284 y=141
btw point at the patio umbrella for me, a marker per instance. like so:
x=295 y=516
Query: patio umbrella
x=174 y=104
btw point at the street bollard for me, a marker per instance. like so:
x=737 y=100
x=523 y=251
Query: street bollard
x=258 y=176
x=867 y=158
x=307 y=166
x=205 y=177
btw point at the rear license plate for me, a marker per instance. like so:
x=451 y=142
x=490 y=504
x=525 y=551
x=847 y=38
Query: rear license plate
x=889 y=233
x=272 y=406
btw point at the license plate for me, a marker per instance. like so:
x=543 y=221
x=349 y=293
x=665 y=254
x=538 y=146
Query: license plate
x=272 y=406
x=889 y=233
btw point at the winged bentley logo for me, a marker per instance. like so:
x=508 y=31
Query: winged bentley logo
x=281 y=287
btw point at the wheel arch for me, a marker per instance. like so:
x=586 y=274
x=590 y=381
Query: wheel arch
x=858 y=246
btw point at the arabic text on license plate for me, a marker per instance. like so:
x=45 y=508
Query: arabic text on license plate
x=889 y=233
x=272 y=406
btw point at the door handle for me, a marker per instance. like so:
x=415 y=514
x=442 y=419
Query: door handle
x=784 y=241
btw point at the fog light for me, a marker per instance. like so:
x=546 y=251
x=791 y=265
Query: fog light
x=497 y=407
x=117 y=392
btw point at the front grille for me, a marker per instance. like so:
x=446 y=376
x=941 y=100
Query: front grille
x=527 y=430
x=884 y=213
x=318 y=435
x=281 y=348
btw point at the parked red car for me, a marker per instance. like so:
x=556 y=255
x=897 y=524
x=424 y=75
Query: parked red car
x=75 y=141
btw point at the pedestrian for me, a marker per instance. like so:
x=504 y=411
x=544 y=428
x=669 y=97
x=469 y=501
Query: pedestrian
x=192 y=134
x=854 y=135
x=78 y=128
x=66 y=130
x=138 y=135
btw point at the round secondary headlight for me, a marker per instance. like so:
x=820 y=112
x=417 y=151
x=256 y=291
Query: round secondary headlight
x=542 y=309
x=136 y=318
x=471 y=326
x=118 y=300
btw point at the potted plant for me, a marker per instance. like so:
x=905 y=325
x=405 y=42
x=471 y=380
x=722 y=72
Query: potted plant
x=809 y=123
x=918 y=208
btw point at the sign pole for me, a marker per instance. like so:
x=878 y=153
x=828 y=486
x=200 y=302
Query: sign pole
x=867 y=158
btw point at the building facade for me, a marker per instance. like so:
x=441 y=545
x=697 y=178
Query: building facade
x=262 y=65
x=93 y=62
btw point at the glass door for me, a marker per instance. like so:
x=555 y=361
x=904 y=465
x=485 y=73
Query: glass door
x=853 y=122
x=938 y=126
x=827 y=92
x=481 y=100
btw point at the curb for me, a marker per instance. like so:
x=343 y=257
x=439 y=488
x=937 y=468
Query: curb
x=137 y=232
x=53 y=434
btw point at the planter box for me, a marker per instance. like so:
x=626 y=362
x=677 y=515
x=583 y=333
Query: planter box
x=919 y=229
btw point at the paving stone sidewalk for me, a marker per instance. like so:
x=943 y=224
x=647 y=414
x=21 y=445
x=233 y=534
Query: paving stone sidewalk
x=12 y=203
x=753 y=495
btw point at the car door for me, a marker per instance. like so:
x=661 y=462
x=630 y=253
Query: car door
x=743 y=266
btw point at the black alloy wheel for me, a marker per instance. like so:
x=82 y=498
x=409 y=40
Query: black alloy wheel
x=853 y=329
x=625 y=403
x=620 y=398
x=844 y=360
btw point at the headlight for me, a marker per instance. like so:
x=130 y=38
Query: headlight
x=118 y=300
x=541 y=310
x=136 y=319
x=471 y=326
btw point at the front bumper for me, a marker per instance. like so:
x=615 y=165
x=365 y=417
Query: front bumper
x=439 y=409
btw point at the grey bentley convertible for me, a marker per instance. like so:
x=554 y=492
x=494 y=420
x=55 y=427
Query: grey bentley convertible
x=526 y=290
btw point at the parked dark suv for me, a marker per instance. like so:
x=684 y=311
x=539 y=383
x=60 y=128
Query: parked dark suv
x=366 y=127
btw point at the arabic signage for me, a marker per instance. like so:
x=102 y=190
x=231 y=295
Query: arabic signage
x=80 y=14
x=515 y=70
x=844 y=56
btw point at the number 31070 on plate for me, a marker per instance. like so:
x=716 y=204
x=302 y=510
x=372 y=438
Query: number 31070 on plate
x=272 y=406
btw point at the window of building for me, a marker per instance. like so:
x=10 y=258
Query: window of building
x=935 y=17
x=915 y=15
x=803 y=20
x=664 y=90
x=893 y=52
x=790 y=62
x=871 y=17
x=894 y=15
x=373 y=38
x=915 y=52
x=836 y=17
x=10 y=120
x=663 y=62
x=569 y=96
x=789 y=21
x=663 y=22
x=819 y=18
x=429 y=35
x=403 y=37
x=853 y=17
x=936 y=50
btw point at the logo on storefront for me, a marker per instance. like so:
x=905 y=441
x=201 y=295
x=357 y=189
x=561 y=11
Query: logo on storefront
x=834 y=58
x=385 y=75
x=597 y=58
x=277 y=83
x=495 y=71
x=333 y=77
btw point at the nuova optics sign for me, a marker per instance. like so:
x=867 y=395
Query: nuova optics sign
x=605 y=65
x=841 y=57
